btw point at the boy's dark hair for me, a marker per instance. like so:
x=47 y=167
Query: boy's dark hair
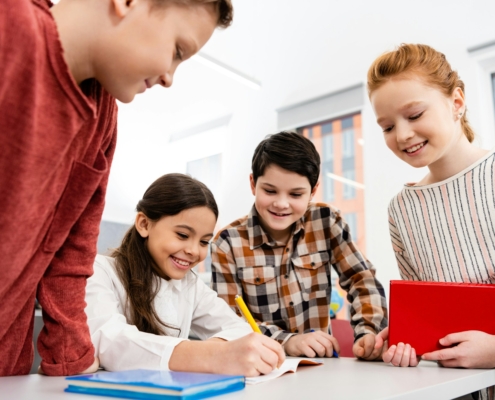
x=224 y=9
x=290 y=151
x=167 y=196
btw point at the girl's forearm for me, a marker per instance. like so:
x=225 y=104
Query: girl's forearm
x=196 y=356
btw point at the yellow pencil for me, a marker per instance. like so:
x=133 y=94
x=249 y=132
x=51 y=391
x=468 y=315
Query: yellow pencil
x=244 y=311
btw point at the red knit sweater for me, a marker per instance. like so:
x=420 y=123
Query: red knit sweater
x=56 y=144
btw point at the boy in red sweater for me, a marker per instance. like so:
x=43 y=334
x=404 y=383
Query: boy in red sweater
x=63 y=66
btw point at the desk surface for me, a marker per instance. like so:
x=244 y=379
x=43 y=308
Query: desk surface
x=343 y=378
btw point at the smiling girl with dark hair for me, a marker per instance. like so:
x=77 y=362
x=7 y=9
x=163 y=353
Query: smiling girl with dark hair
x=144 y=301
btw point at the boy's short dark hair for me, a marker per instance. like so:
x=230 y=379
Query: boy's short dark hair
x=224 y=9
x=290 y=151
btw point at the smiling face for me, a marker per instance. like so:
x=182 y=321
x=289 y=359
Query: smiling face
x=421 y=125
x=178 y=243
x=282 y=198
x=145 y=45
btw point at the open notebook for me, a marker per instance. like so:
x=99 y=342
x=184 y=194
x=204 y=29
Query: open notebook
x=290 y=365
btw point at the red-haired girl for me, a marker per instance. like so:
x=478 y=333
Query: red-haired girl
x=441 y=227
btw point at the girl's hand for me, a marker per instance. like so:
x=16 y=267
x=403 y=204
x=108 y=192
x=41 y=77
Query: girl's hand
x=474 y=349
x=92 y=368
x=381 y=340
x=370 y=346
x=312 y=344
x=402 y=355
x=251 y=355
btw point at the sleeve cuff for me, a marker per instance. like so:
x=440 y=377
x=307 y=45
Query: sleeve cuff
x=361 y=334
x=69 y=368
x=282 y=336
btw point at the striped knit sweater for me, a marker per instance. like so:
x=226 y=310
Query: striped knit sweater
x=446 y=231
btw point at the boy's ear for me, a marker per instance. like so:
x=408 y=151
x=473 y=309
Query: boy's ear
x=253 y=184
x=142 y=224
x=122 y=7
x=314 y=190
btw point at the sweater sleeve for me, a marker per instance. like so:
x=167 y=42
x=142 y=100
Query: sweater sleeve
x=64 y=343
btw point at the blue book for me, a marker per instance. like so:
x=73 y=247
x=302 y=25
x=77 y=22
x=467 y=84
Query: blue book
x=150 y=384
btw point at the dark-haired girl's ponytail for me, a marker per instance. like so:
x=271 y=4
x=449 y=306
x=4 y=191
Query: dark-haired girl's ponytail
x=140 y=277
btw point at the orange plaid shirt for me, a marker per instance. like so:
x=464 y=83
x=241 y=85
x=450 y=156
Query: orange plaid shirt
x=287 y=287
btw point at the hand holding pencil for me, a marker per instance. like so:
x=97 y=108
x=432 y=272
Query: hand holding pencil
x=270 y=352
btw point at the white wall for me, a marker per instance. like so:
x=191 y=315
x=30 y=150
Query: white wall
x=297 y=50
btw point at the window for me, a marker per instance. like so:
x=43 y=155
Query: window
x=348 y=144
x=326 y=128
x=493 y=90
x=328 y=185
x=339 y=142
x=348 y=158
x=349 y=188
x=327 y=164
x=327 y=148
x=484 y=56
x=351 y=219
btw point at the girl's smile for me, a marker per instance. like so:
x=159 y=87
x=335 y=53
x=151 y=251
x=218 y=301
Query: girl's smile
x=181 y=264
x=415 y=149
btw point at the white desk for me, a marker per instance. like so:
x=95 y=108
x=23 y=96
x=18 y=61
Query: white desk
x=343 y=378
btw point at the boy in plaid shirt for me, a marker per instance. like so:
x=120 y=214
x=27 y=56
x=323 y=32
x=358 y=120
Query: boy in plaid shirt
x=279 y=257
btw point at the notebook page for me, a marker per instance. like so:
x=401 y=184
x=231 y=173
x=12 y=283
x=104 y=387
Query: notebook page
x=290 y=365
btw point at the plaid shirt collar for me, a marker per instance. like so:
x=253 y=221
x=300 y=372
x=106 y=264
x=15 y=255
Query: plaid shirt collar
x=258 y=236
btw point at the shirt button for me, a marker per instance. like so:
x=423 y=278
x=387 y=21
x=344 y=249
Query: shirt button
x=296 y=330
x=258 y=279
x=286 y=276
x=287 y=250
x=312 y=264
x=291 y=304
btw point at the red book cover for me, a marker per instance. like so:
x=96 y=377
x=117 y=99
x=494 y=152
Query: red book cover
x=421 y=313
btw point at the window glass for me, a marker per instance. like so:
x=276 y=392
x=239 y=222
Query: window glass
x=340 y=144
x=349 y=188
x=351 y=220
x=493 y=90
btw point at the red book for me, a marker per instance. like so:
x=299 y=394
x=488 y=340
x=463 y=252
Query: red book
x=421 y=313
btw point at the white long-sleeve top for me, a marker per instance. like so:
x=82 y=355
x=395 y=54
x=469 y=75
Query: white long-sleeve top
x=187 y=304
